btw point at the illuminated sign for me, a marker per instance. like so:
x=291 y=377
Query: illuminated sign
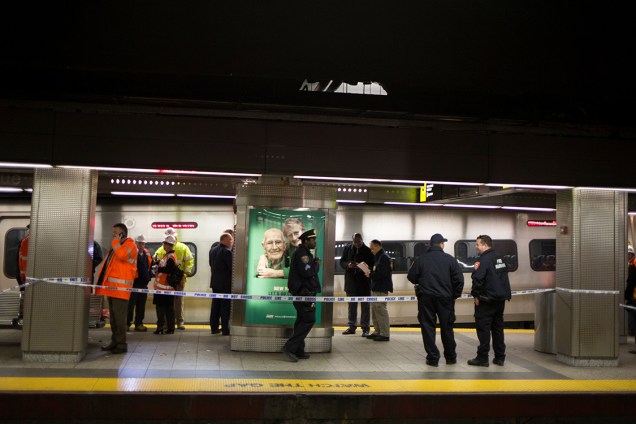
x=426 y=192
x=542 y=223
x=175 y=225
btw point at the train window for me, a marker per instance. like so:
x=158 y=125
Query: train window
x=396 y=250
x=152 y=248
x=11 y=244
x=340 y=245
x=420 y=247
x=466 y=254
x=543 y=254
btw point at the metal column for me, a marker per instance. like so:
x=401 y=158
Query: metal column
x=591 y=249
x=62 y=221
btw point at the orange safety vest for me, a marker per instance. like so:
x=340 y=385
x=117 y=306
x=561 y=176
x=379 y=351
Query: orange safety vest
x=122 y=267
x=161 y=282
x=23 y=254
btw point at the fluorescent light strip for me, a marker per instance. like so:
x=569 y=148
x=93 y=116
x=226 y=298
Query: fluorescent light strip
x=524 y=208
x=134 y=193
x=370 y=180
x=350 y=201
x=211 y=196
x=545 y=187
x=456 y=205
x=160 y=171
x=413 y=204
x=626 y=190
x=457 y=183
x=24 y=165
x=10 y=189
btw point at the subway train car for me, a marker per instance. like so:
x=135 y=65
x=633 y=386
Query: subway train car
x=526 y=240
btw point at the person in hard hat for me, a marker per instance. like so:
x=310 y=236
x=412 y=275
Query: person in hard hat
x=185 y=259
x=137 y=302
x=115 y=273
x=164 y=303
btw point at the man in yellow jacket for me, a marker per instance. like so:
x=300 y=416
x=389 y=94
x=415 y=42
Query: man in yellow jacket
x=185 y=259
x=118 y=271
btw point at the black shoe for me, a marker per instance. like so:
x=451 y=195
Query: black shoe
x=365 y=333
x=499 y=362
x=632 y=351
x=478 y=363
x=109 y=347
x=118 y=350
x=451 y=361
x=303 y=355
x=349 y=331
x=290 y=355
x=226 y=333
x=381 y=338
x=170 y=331
x=216 y=331
x=432 y=363
x=372 y=336
x=158 y=331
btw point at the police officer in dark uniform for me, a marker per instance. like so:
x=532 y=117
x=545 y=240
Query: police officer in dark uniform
x=303 y=281
x=438 y=282
x=491 y=289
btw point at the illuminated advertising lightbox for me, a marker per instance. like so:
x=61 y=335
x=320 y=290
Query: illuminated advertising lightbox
x=272 y=240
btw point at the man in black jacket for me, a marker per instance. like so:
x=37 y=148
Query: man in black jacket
x=221 y=263
x=438 y=282
x=381 y=284
x=303 y=281
x=491 y=289
x=356 y=282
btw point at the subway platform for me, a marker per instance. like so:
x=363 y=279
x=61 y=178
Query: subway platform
x=193 y=376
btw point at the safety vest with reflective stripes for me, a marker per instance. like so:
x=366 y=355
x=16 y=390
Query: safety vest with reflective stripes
x=122 y=267
x=23 y=253
x=161 y=280
x=185 y=258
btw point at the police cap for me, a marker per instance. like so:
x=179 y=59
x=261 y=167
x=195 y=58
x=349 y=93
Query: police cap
x=308 y=234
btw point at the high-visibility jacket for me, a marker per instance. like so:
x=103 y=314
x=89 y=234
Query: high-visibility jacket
x=121 y=264
x=185 y=258
x=161 y=282
x=23 y=253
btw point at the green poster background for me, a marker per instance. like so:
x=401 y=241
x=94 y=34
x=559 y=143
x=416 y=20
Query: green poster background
x=276 y=312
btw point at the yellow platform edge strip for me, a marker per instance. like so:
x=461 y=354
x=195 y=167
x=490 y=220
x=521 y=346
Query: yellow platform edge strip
x=221 y=385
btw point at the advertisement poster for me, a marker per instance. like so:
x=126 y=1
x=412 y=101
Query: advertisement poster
x=272 y=239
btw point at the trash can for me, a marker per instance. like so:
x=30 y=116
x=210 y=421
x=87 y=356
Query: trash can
x=544 y=334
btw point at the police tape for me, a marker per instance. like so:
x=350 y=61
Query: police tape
x=84 y=282
x=633 y=308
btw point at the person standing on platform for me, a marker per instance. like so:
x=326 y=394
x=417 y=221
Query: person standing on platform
x=22 y=256
x=118 y=272
x=357 y=283
x=303 y=281
x=164 y=303
x=185 y=259
x=381 y=285
x=491 y=289
x=438 y=283
x=137 y=301
x=630 y=292
x=221 y=263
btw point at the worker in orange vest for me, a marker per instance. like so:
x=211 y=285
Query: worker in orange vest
x=118 y=272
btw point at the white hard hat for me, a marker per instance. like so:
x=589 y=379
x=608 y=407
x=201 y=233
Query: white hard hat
x=170 y=232
x=630 y=249
x=140 y=238
x=170 y=240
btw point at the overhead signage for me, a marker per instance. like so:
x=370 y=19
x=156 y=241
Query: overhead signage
x=175 y=225
x=542 y=223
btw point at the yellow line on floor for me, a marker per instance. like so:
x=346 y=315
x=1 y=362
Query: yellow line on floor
x=223 y=385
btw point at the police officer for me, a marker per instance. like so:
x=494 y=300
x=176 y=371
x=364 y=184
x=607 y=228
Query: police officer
x=303 y=281
x=491 y=289
x=438 y=282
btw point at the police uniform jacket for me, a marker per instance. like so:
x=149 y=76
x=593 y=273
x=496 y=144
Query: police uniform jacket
x=437 y=274
x=303 y=274
x=490 y=278
x=221 y=258
x=381 y=274
x=355 y=278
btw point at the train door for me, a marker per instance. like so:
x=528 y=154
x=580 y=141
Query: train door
x=12 y=229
